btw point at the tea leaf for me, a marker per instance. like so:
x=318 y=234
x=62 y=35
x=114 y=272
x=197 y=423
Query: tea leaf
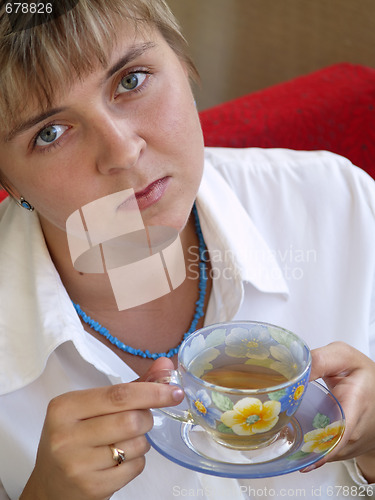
x=223 y=428
x=277 y=395
x=298 y=455
x=222 y=402
x=320 y=421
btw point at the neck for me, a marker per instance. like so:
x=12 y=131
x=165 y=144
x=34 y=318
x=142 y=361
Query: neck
x=147 y=327
x=94 y=290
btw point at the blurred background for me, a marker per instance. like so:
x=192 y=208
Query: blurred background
x=240 y=46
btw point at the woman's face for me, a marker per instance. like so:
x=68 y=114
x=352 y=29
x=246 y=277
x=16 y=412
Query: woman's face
x=131 y=125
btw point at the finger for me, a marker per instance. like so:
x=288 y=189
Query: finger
x=103 y=483
x=157 y=365
x=132 y=448
x=334 y=360
x=105 y=429
x=101 y=457
x=353 y=397
x=333 y=363
x=341 y=367
x=88 y=403
x=85 y=460
x=121 y=475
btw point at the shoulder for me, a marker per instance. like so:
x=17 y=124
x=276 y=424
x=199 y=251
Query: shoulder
x=280 y=163
x=283 y=176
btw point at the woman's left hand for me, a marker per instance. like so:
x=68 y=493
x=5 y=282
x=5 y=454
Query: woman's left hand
x=350 y=376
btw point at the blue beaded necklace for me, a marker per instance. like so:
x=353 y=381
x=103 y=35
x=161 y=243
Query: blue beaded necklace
x=199 y=305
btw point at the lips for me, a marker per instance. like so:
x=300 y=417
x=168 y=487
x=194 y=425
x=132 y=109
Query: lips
x=148 y=196
x=152 y=193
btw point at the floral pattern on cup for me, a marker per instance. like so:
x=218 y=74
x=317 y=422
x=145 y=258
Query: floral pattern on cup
x=239 y=345
x=200 y=405
x=285 y=358
x=290 y=398
x=250 y=416
x=205 y=345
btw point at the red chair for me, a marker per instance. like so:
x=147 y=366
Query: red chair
x=332 y=109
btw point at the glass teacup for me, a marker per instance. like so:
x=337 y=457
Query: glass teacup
x=243 y=381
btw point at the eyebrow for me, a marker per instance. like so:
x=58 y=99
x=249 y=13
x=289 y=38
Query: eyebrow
x=134 y=52
x=22 y=127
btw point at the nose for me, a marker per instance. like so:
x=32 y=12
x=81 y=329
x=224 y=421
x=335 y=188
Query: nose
x=118 y=145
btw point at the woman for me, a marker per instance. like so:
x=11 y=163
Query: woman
x=107 y=110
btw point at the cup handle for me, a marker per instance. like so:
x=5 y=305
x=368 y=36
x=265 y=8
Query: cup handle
x=171 y=377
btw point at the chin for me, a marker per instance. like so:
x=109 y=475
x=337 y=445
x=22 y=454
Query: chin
x=173 y=215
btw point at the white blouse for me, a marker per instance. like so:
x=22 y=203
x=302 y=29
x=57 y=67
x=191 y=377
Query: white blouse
x=291 y=237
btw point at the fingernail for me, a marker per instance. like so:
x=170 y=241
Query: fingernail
x=178 y=394
x=308 y=469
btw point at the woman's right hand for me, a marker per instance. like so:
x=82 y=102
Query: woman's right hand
x=74 y=459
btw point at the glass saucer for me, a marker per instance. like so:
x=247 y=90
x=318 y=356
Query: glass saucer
x=314 y=431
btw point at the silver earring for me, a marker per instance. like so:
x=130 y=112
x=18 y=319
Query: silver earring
x=25 y=204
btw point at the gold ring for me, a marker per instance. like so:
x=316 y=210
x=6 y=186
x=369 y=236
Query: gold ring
x=117 y=455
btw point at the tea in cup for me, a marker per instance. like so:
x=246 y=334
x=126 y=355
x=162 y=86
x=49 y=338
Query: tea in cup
x=243 y=381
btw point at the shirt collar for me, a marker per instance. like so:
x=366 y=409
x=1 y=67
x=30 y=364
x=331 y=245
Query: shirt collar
x=226 y=225
x=32 y=324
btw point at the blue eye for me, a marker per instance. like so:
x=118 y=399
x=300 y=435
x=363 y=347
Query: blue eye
x=49 y=134
x=131 y=82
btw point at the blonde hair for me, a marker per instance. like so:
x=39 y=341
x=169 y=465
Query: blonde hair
x=37 y=62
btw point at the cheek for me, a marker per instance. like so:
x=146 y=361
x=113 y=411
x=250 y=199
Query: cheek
x=177 y=117
x=181 y=135
x=55 y=208
x=44 y=190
